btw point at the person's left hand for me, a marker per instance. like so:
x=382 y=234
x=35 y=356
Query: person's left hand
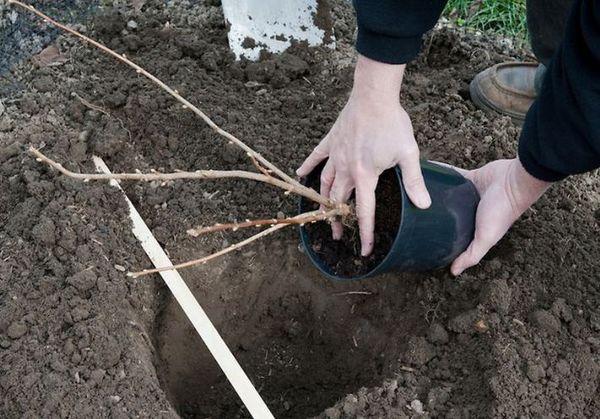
x=506 y=191
x=372 y=133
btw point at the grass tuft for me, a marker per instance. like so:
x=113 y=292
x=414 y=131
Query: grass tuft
x=504 y=17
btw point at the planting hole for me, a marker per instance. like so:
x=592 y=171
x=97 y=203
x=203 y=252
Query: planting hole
x=304 y=341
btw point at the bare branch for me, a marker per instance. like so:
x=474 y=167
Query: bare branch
x=231 y=248
x=198 y=174
x=307 y=192
x=300 y=219
x=265 y=167
x=258 y=166
x=205 y=259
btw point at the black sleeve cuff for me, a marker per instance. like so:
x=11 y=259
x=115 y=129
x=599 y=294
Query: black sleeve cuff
x=531 y=149
x=387 y=49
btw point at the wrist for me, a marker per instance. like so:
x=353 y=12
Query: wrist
x=377 y=82
x=528 y=188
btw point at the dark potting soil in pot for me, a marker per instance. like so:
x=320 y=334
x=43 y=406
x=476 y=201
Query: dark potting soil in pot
x=343 y=256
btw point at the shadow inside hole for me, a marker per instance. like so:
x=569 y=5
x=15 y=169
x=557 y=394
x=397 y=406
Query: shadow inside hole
x=303 y=340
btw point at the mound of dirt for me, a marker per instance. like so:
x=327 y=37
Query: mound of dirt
x=518 y=335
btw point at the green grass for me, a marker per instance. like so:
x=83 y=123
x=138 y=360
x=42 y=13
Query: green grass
x=505 y=17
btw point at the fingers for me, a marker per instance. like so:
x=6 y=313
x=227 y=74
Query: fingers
x=473 y=255
x=327 y=178
x=320 y=153
x=413 y=182
x=365 y=212
x=340 y=192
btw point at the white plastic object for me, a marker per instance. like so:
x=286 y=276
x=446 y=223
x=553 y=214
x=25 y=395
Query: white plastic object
x=194 y=312
x=272 y=25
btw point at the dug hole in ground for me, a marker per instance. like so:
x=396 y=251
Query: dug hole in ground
x=517 y=335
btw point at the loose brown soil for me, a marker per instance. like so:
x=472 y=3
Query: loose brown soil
x=343 y=257
x=516 y=336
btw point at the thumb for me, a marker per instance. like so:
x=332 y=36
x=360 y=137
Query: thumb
x=473 y=255
x=414 y=184
x=464 y=172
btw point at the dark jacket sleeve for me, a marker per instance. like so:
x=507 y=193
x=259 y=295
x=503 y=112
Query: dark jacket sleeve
x=561 y=134
x=390 y=31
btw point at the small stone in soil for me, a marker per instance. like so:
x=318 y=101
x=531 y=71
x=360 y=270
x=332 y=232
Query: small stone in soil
x=498 y=295
x=45 y=231
x=437 y=334
x=563 y=368
x=481 y=326
x=16 y=330
x=419 y=351
x=6 y=124
x=535 y=372
x=561 y=310
x=417 y=406
x=332 y=413
x=79 y=313
x=437 y=397
x=9 y=151
x=544 y=320
x=84 y=280
x=464 y=322
x=97 y=376
x=595 y=321
x=350 y=405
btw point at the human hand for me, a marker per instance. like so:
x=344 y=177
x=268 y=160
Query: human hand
x=506 y=191
x=372 y=133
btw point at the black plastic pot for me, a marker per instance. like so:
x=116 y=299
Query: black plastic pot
x=426 y=239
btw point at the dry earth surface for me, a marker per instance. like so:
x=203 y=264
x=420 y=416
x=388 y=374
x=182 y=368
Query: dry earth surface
x=516 y=336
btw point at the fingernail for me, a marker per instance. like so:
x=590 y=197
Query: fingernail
x=365 y=251
x=424 y=201
x=336 y=235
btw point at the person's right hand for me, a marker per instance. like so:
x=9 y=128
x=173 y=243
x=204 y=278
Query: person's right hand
x=506 y=190
x=372 y=133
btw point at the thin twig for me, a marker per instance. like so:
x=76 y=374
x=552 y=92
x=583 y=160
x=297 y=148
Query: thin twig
x=231 y=248
x=205 y=259
x=198 y=174
x=90 y=105
x=311 y=218
x=353 y=293
x=258 y=166
x=307 y=192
